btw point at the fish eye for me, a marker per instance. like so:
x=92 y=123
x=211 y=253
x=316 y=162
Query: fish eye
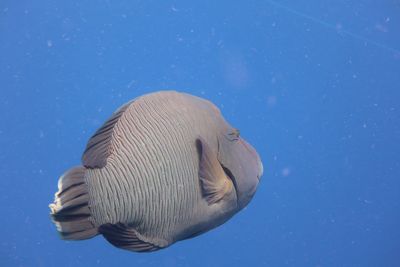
x=237 y=133
x=234 y=135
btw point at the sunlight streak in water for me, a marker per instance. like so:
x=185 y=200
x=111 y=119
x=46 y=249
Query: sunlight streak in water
x=333 y=27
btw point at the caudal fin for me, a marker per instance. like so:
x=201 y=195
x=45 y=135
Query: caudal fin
x=70 y=211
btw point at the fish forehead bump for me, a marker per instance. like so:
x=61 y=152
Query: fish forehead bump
x=183 y=99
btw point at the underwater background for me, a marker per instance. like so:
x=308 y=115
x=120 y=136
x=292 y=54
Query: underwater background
x=313 y=85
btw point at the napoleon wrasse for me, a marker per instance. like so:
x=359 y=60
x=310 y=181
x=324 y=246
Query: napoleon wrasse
x=163 y=168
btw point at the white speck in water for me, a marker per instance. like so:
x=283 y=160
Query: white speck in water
x=49 y=43
x=131 y=83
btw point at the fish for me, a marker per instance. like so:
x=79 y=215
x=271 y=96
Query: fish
x=165 y=167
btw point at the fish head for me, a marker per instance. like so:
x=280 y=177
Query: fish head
x=241 y=163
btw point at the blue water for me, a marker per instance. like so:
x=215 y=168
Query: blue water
x=313 y=85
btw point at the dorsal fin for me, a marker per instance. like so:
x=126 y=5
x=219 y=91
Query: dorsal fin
x=98 y=147
x=126 y=237
x=214 y=182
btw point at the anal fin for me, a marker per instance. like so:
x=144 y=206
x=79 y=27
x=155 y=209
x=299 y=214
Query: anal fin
x=126 y=237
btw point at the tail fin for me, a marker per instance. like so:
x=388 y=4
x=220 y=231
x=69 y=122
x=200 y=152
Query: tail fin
x=70 y=211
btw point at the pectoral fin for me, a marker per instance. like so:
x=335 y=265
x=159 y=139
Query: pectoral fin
x=214 y=182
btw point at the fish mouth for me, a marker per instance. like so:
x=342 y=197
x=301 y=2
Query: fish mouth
x=260 y=170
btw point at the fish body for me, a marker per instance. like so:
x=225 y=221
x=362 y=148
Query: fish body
x=165 y=167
